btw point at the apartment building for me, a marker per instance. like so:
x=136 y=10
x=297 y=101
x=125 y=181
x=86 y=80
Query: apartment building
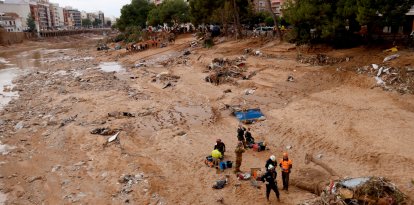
x=19 y=7
x=11 y=22
x=72 y=18
x=55 y=14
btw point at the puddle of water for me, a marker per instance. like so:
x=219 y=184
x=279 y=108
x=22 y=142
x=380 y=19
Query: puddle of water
x=6 y=85
x=111 y=67
x=49 y=51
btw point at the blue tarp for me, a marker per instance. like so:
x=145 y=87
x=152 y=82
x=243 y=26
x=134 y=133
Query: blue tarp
x=249 y=115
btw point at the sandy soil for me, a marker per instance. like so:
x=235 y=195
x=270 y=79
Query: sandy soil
x=50 y=157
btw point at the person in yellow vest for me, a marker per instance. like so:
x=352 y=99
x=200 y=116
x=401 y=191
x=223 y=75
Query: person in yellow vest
x=286 y=166
x=216 y=155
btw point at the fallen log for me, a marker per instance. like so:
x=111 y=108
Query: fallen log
x=309 y=158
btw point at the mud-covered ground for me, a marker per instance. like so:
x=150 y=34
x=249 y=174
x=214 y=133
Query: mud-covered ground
x=67 y=89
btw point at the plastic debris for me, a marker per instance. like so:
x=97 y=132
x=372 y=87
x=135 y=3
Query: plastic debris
x=111 y=139
x=380 y=71
x=220 y=183
x=249 y=91
x=391 y=57
x=379 y=81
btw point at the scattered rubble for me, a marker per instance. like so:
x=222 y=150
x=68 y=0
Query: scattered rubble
x=35 y=178
x=68 y=120
x=104 y=131
x=187 y=52
x=219 y=184
x=120 y=114
x=290 y=79
x=128 y=181
x=390 y=78
x=227 y=91
x=249 y=91
x=19 y=125
x=225 y=70
x=5 y=149
x=321 y=59
x=363 y=190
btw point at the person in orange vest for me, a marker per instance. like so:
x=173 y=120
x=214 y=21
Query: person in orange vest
x=286 y=165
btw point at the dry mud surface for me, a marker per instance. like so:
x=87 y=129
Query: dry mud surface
x=49 y=156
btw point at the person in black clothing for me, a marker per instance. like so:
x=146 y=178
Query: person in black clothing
x=240 y=135
x=269 y=178
x=220 y=146
x=271 y=161
x=249 y=137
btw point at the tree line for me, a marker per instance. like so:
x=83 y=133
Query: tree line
x=311 y=20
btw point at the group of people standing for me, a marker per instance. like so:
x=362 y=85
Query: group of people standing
x=270 y=177
x=245 y=140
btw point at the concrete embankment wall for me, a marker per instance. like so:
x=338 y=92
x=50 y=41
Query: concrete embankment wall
x=9 y=38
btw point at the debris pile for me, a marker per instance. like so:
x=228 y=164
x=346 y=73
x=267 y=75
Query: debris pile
x=321 y=59
x=165 y=78
x=223 y=70
x=128 y=181
x=363 y=190
x=219 y=184
x=102 y=47
x=120 y=114
x=104 y=131
x=391 y=78
x=175 y=61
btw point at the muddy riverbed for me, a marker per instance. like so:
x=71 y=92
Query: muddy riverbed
x=168 y=118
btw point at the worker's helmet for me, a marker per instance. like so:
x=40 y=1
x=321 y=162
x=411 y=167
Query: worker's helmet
x=273 y=158
x=270 y=166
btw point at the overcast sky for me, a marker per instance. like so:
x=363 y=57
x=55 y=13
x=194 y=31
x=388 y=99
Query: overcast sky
x=109 y=7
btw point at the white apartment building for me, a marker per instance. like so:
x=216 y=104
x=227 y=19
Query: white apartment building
x=20 y=7
x=11 y=22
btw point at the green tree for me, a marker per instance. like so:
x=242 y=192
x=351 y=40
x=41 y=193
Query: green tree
x=97 y=22
x=378 y=13
x=339 y=20
x=154 y=17
x=205 y=11
x=31 y=23
x=169 y=11
x=134 y=14
x=86 y=22
x=201 y=11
